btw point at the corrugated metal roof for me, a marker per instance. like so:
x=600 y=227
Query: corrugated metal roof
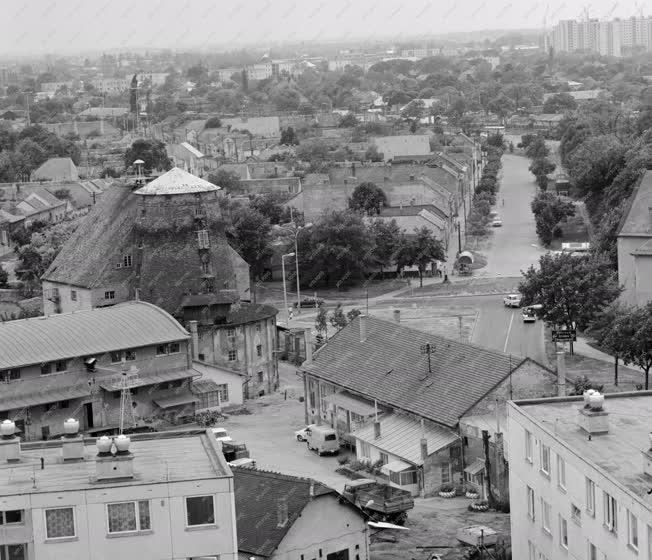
x=86 y=333
x=176 y=400
x=401 y=435
x=176 y=181
x=114 y=382
x=19 y=395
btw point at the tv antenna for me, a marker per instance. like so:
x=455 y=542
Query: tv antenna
x=428 y=349
x=128 y=379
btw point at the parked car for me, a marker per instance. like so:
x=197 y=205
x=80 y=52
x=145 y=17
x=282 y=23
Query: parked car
x=234 y=450
x=497 y=222
x=302 y=435
x=243 y=462
x=513 y=300
x=322 y=439
x=221 y=434
x=528 y=315
x=309 y=302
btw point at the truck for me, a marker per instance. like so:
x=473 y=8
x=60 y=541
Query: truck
x=380 y=501
x=233 y=450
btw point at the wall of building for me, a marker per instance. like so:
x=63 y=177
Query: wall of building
x=589 y=527
x=437 y=465
x=234 y=381
x=84 y=298
x=627 y=268
x=643 y=272
x=325 y=526
x=168 y=538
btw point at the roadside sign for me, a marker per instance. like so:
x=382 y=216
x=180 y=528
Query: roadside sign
x=564 y=336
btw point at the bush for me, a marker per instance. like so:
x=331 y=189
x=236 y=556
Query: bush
x=208 y=418
x=343 y=459
x=357 y=465
x=447 y=488
x=583 y=383
x=213 y=122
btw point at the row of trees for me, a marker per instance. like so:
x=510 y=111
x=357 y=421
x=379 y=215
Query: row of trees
x=535 y=148
x=549 y=211
x=486 y=190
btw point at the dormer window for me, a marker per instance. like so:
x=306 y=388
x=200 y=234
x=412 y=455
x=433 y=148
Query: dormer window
x=202 y=239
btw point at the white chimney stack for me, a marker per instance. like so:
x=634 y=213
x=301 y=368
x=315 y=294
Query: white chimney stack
x=9 y=442
x=118 y=464
x=592 y=418
x=397 y=315
x=72 y=441
x=363 y=327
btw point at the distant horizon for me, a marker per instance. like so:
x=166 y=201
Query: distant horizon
x=43 y=27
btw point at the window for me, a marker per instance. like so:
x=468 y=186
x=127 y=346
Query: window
x=202 y=357
x=545 y=516
x=130 y=355
x=173 y=347
x=59 y=523
x=46 y=368
x=116 y=357
x=528 y=446
x=545 y=459
x=259 y=328
x=445 y=473
x=122 y=516
x=206 y=267
x=10 y=375
x=610 y=518
x=223 y=392
x=64 y=404
x=384 y=458
x=632 y=530
x=126 y=261
x=10 y=517
x=200 y=510
x=13 y=551
x=233 y=354
x=365 y=450
x=576 y=514
x=259 y=350
x=230 y=335
x=73 y=295
x=162 y=350
x=109 y=295
x=61 y=365
x=530 y=503
x=261 y=377
x=339 y=555
x=563 y=532
x=202 y=239
x=561 y=472
x=590 y=496
x=593 y=552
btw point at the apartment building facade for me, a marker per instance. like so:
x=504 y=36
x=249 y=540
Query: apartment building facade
x=580 y=476
x=164 y=495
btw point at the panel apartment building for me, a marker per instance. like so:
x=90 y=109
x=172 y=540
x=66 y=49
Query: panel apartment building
x=580 y=477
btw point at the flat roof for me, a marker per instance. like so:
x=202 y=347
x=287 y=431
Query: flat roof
x=617 y=453
x=160 y=457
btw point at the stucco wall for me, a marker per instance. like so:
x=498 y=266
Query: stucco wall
x=627 y=276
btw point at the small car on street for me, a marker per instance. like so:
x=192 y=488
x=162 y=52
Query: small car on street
x=221 y=434
x=497 y=222
x=513 y=300
x=528 y=315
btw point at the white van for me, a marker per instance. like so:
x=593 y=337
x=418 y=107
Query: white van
x=322 y=439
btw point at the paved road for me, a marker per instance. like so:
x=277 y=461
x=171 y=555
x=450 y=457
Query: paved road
x=514 y=246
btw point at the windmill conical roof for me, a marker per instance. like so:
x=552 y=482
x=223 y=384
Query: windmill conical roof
x=176 y=181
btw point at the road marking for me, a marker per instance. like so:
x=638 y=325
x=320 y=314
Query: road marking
x=509 y=330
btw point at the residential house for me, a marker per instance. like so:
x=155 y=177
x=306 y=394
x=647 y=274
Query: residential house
x=281 y=517
x=56 y=169
x=412 y=217
x=162 y=495
x=580 y=477
x=83 y=129
x=635 y=245
x=440 y=394
x=410 y=145
x=546 y=121
x=267 y=127
x=51 y=366
x=189 y=158
x=8 y=224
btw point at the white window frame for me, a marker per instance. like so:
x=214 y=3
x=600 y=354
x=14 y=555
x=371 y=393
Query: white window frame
x=3 y=517
x=632 y=531
x=365 y=450
x=233 y=352
x=610 y=507
x=590 y=496
x=109 y=294
x=185 y=507
x=74 y=524
x=529 y=447
x=545 y=452
x=561 y=473
x=202 y=239
x=563 y=532
x=531 y=503
x=136 y=513
x=546 y=511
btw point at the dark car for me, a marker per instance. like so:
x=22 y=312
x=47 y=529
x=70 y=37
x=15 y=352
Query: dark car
x=310 y=302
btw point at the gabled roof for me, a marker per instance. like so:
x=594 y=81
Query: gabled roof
x=400 y=435
x=56 y=169
x=176 y=181
x=390 y=367
x=9 y=218
x=637 y=220
x=257 y=494
x=85 y=333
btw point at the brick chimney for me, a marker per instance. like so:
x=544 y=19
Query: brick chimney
x=397 y=316
x=363 y=327
x=114 y=460
x=377 y=429
x=9 y=442
x=423 y=444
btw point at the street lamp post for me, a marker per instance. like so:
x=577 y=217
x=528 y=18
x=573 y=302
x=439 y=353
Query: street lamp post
x=285 y=293
x=459 y=237
x=295 y=231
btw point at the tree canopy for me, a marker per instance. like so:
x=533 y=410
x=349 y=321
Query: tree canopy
x=368 y=198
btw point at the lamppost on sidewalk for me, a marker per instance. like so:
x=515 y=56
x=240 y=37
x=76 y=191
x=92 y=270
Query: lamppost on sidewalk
x=285 y=293
x=459 y=236
x=295 y=232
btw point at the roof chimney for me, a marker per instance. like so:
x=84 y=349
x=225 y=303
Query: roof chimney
x=308 y=339
x=353 y=169
x=72 y=441
x=194 y=339
x=423 y=444
x=592 y=417
x=110 y=464
x=363 y=327
x=397 y=315
x=376 y=429
x=561 y=373
x=9 y=442
x=282 y=512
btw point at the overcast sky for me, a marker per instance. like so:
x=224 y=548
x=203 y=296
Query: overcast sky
x=38 y=26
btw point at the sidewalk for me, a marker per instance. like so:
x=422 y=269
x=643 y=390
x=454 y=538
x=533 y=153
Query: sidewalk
x=583 y=348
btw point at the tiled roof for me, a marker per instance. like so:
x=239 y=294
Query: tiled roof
x=401 y=435
x=176 y=181
x=256 y=504
x=390 y=367
x=9 y=218
x=637 y=220
x=85 y=333
x=56 y=169
x=248 y=312
x=407 y=145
